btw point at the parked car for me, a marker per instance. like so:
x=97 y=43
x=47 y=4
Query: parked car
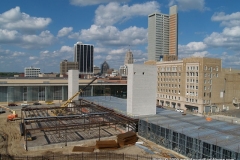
x=12 y=104
x=179 y=110
x=24 y=104
x=36 y=103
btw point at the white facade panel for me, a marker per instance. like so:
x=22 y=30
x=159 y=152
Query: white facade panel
x=73 y=83
x=141 y=89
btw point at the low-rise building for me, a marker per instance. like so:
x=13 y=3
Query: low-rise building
x=31 y=72
x=65 y=66
x=196 y=82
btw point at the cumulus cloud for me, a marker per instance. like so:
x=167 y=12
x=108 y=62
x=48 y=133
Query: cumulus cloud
x=93 y=2
x=66 y=49
x=33 y=58
x=45 y=38
x=8 y=36
x=228 y=20
x=115 y=12
x=186 y=5
x=196 y=49
x=64 y=31
x=192 y=47
x=13 y=19
x=110 y=35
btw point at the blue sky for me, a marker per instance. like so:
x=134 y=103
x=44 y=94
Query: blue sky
x=42 y=33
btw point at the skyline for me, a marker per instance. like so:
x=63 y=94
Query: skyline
x=43 y=33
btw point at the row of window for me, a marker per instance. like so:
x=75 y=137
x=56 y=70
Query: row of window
x=169 y=80
x=192 y=87
x=192 y=74
x=210 y=68
x=169 y=74
x=173 y=68
x=191 y=68
x=191 y=100
x=170 y=85
x=189 y=93
x=170 y=91
x=210 y=75
x=169 y=97
x=192 y=80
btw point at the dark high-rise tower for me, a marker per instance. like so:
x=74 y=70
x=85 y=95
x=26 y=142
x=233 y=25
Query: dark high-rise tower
x=83 y=54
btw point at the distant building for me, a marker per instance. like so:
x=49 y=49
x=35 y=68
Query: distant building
x=83 y=54
x=65 y=66
x=96 y=70
x=123 y=70
x=128 y=58
x=31 y=72
x=47 y=75
x=104 y=68
x=163 y=35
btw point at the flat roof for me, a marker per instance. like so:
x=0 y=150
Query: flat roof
x=224 y=134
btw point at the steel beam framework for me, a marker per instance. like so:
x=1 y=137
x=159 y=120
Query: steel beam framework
x=87 y=115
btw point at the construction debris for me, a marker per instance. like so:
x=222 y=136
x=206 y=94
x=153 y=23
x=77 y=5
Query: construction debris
x=127 y=138
x=107 y=144
x=82 y=149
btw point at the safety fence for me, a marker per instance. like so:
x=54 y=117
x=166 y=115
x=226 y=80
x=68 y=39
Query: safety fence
x=82 y=156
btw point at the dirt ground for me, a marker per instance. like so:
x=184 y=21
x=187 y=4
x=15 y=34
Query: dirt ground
x=11 y=142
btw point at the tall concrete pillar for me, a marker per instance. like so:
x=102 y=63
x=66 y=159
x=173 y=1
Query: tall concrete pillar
x=73 y=85
x=141 y=89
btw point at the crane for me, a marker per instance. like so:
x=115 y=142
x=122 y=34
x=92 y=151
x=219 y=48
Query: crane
x=76 y=94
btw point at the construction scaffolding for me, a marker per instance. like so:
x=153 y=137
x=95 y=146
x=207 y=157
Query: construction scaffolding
x=67 y=124
x=192 y=136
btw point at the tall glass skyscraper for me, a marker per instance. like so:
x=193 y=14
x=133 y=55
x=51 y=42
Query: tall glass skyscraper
x=163 y=34
x=83 y=54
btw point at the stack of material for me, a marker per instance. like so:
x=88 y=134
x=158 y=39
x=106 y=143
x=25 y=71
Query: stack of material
x=127 y=138
x=107 y=144
x=82 y=149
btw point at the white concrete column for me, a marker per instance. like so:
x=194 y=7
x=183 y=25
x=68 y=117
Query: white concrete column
x=73 y=85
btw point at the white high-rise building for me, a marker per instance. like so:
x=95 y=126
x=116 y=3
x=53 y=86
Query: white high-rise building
x=162 y=34
x=31 y=72
x=83 y=54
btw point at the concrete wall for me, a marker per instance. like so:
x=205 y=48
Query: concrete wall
x=141 y=89
x=73 y=83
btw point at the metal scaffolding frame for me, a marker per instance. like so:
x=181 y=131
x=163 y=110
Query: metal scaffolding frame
x=87 y=115
x=192 y=136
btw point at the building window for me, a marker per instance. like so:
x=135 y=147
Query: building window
x=196 y=87
x=217 y=68
x=205 y=68
x=216 y=74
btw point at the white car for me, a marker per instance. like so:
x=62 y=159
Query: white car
x=24 y=104
x=179 y=110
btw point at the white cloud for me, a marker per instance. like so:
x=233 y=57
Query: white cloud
x=233 y=32
x=229 y=20
x=192 y=47
x=45 y=38
x=93 y=2
x=66 y=49
x=110 y=35
x=120 y=51
x=8 y=36
x=64 y=31
x=115 y=12
x=14 y=19
x=196 y=49
x=33 y=58
x=200 y=54
x=186 y=5
x=221 y=16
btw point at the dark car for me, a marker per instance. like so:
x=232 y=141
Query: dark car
x=36 y=103
x=12 y=104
